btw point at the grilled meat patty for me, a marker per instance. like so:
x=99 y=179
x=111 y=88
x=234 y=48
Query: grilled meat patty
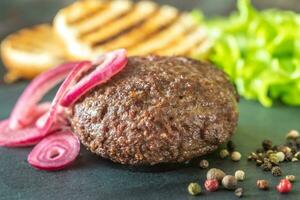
x=157 y=110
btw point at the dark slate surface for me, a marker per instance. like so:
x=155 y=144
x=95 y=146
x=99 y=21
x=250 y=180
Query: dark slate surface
x=94 y=178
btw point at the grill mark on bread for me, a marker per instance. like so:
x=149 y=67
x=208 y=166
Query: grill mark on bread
x=159 y=21
x=184 y=44
x=104 y=17
x=122 y=24
x=163 y=38
x=84 y=11
x=177 y=40
x=123 y=32
x=85 y=16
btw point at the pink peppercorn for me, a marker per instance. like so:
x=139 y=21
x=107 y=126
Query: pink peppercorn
x=284 y=186
x=211 y=185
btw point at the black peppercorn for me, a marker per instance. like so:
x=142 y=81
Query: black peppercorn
x=260 y=150
x=230 y=146
x=266 y=166
x=275 y=148
x=267 y=145
x=276 y=171
x=289 y=156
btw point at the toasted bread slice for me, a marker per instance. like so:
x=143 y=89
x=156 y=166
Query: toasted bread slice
x=31 y=51
x=142 y=28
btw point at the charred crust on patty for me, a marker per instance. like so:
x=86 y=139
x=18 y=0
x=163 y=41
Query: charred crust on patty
x=158 y=110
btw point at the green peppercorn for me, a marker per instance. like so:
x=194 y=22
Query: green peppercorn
x=224 y=153
x=266 y=166
x=276 y=171
x=239 y=175
x=280 y=156
x=230 y=146
x=267 y=145
x=269 y=152
x=274 y=159
x=194 y=189
x=204 y=164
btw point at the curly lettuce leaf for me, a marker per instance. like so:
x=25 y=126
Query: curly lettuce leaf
x=259 y=50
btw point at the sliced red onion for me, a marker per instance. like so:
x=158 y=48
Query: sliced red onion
x=71 y=79
x=18 y=138
x=55 y=152
x=37 y=112
x=113 y=63
x=35 y=92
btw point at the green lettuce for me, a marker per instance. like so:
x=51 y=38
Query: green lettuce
x=259 y=50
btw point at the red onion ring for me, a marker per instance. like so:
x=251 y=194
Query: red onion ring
x=35 y=92
x=55 y=151
x=110 y=64
x=17 y=138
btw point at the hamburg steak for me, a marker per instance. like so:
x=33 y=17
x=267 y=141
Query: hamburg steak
x=158 y=110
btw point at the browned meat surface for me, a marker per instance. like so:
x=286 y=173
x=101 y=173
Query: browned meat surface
x=158 y=110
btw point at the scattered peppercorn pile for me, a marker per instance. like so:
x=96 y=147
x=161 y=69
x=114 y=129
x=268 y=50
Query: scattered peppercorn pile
x=270 y=156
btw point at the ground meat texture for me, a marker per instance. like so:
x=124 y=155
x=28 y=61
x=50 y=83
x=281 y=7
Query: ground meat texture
x=157 y=110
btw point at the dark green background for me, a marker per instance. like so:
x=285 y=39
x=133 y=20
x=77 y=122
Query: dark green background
x=94 y=178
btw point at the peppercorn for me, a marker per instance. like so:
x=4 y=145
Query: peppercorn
x=289 y=156
x=253 y=155
x=204 y=164
x=284 y=149
x=269 y=152
x=262 y=184
x=284 y=186
x=224 y=153
x=260 y=150
x=291 y=178
x=274 y=159
x=249 y=158
x=267 y=145
x=211 y=185
x=239 y=192
x=239 y=175
x=230 y=146
x=229 y=182
x=295 y=159
x=293 y=134
x=194 y=189
x=259 y=162
x=215 y=173
x=297 y=155
x=276 y=171
x=275 y=148
x=280 y=156
x=266 y=166
x=236 y=156
x=266 y=160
